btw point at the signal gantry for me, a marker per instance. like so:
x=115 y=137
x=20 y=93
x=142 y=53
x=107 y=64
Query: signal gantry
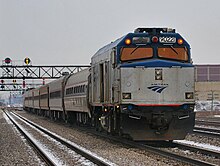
x=12 y=71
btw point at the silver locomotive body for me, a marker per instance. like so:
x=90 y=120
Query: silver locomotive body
x=144 y=90
x=157 y=86
x=152 y=103
x=159 y=101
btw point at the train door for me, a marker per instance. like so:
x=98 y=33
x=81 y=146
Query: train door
x=104 y=82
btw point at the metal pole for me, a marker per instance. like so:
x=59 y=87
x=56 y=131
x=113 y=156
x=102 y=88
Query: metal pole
x=10 y=99
x=212 y=100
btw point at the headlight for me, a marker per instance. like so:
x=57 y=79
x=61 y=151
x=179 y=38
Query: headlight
x=189 y=95
x=158 y=74
x=126 y=95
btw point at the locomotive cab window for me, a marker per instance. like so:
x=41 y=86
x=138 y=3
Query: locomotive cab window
x=136 y=53
x=174 y=53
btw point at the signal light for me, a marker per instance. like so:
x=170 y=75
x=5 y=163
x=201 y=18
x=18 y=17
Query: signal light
x=7 y=60
x=127 y=41
x=27 y=61
x=155 y=39
x=14 y=81
x=180 y=41
x=2 y=81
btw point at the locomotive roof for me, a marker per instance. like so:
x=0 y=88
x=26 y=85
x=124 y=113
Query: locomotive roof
x=139 y=31
x=108 y=46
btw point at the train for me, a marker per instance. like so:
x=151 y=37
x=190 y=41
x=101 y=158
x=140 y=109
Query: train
x=141 y=86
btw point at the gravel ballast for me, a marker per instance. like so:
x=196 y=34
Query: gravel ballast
x=14 y=149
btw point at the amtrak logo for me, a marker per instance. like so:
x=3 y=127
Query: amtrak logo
x=157 y=88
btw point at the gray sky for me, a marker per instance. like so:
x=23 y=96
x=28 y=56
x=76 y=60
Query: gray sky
x=71 y=31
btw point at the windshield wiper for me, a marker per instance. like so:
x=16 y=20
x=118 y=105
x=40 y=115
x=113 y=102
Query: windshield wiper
x=174 y=49
x=135 y=49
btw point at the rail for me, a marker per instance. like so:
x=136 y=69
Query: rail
x=80 y=150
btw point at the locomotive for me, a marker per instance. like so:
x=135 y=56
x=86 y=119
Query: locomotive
x=140 y=86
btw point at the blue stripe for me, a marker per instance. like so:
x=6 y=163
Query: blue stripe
x=156 y=63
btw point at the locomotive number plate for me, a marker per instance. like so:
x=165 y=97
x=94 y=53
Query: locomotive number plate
x=167 y=40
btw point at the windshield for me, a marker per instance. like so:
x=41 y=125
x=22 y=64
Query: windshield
x=136 y=53
x=176 y=53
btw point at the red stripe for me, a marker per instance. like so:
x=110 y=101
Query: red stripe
x=158 y=105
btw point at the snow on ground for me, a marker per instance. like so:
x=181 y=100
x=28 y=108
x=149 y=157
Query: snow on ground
x=207 y=105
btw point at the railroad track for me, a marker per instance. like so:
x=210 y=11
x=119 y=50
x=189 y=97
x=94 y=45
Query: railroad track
x=93 y=158
x=207 y=131
x=181 y=144
x=184 y=159
x=208 y=123
x=37 y=149
x=159 y=151
x=204 y=151
x=175 y=156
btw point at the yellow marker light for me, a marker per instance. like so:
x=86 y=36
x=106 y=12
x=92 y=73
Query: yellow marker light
x=27 y=61
x=127 y=41
x=180 y=41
